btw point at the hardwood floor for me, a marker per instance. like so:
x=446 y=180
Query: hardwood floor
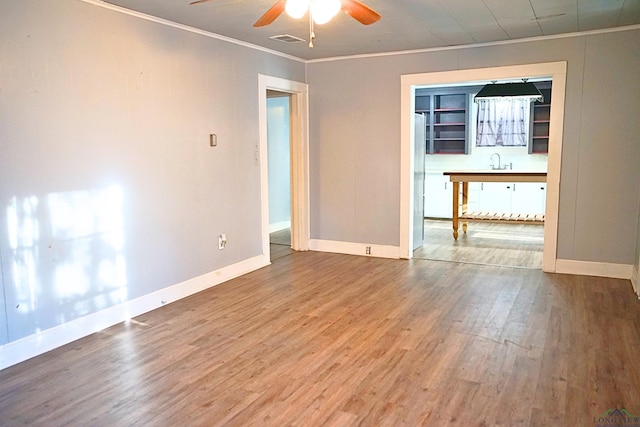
x=280 y=243
x=484 y=243
x=327 y=339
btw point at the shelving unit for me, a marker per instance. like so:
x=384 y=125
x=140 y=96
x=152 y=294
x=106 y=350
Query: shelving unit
x=541 y=113
x=447 y=110
x=446 y=118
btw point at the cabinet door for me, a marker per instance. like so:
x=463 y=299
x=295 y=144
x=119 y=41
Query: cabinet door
x=528 y=197
x=495 y=197
x=438 y=198
x=541 y=189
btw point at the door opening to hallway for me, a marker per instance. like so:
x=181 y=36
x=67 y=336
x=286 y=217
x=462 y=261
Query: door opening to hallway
x=284 y=185
x=279 y=165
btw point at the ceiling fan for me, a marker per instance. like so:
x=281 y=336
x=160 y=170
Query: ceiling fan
x=354 y=8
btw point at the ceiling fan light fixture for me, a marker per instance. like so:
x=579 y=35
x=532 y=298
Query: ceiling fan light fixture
x=323 y=10
x=296 y=8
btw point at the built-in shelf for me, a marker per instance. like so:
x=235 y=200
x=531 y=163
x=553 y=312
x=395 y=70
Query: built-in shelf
x=540 y=119
x=446 y=115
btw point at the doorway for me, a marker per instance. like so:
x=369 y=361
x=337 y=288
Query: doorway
x=279 y=169
x=296 y=95
x=498 y=135
x=553 y=71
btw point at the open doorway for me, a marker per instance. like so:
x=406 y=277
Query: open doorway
x=556 y=72
x=497 y=136
x=279 y=167
x=293 y=95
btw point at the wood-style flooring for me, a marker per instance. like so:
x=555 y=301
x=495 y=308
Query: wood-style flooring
x=280 y=243
x=319 y=339
x=512 y=245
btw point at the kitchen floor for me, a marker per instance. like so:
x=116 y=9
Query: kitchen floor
x=484 y=243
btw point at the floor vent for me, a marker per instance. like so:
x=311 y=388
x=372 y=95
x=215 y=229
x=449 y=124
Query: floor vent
x=287 y=38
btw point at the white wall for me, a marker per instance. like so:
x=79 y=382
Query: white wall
x=109 y=190
x=355 y=140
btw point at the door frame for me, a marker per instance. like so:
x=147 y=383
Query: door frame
x=299 y=110
x=556 y=71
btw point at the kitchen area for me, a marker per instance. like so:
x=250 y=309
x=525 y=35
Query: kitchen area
x=492 y=154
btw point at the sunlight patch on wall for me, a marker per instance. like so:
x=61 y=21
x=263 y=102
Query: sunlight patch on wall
x=66 y=255
x=23 y=236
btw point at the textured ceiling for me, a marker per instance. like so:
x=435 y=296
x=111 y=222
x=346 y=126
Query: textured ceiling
x=405 y=24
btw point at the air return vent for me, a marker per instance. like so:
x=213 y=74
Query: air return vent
x=287 y=38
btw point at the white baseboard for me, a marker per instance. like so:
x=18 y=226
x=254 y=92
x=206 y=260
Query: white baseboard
x=33 y=345
x=600 y=269
x=350 y=248
x=277 y=226
x=635 y=280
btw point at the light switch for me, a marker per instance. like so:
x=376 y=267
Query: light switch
x=213 y=140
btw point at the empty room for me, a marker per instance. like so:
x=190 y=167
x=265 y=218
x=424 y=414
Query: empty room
x=138 y=163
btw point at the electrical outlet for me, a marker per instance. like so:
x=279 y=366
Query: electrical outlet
x=368 y=250
x=222 y=241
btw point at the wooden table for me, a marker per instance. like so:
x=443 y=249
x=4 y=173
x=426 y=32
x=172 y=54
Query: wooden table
x=465 y=177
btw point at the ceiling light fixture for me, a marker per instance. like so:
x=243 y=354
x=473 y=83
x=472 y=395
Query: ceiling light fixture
x=320 y=12
x=495 y=90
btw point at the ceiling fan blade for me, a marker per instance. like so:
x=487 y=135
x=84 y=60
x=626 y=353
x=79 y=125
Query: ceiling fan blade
x=198 y=1
x=360 y=11
x=271 y=14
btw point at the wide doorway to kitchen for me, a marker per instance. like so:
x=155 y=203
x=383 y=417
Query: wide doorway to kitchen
x=505 y=215
x=499 y=222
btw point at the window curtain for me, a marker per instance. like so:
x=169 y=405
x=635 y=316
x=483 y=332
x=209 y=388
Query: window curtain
x=503 y=122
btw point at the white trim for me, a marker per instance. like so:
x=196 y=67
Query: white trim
x=33 y=345
x=476 y=45
x=277 y=226
x=589 y=268
x=635 y=280
x=194 y=30
x=557 y=71
x=299 y=159
x=350 y=248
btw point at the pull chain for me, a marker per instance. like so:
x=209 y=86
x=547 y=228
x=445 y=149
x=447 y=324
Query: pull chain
x=312 y=34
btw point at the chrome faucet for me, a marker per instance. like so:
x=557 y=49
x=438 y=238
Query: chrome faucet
x=493 y=165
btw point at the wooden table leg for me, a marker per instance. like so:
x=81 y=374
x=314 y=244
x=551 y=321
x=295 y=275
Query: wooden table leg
x=456 y=193
x=465 y=195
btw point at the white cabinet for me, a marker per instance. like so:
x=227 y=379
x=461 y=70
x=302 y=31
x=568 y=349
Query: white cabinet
x=438 y=199
x=509 y=197
x=495 y=197
x=528 y=197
